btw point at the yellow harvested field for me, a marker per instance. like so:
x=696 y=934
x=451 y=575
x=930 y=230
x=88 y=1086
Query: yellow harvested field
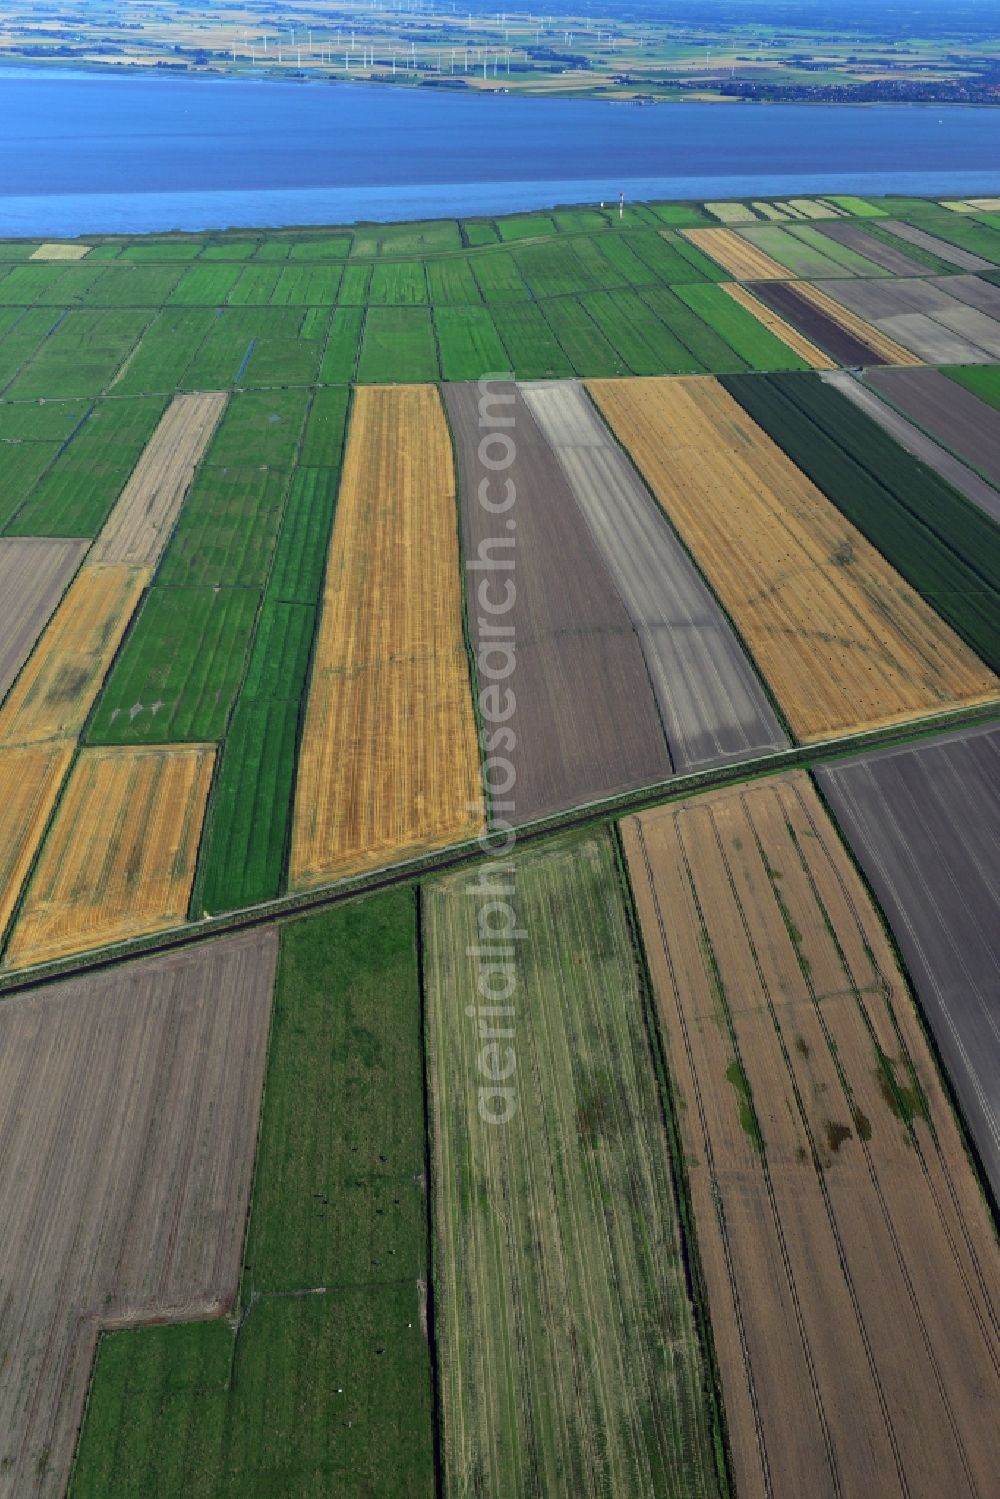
x=60 y=252
x=789 y=336
x=737 y=255
x=389 y=760
x=880 y=343
x=731 y=213
x=139 y=526
x=120 y=859
x=958 y=207
x=30 y=781
x=848 y=1255
x=844 y=642
x=54 y=693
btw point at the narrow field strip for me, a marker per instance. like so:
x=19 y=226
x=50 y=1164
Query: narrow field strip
x=120 y=859
x=568 y=1354
x=138 y=528
x=389 y=761
x=129 y=1103
x=31 y=778
x=849 y=1257
x=736 y=255
x=796 y=341
x=843 y=641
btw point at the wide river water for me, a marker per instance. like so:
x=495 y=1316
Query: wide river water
x=85 y=153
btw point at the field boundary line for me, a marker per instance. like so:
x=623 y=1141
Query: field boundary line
x=677 y=788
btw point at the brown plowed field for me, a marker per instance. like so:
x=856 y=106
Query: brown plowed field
x=34 y=572
x=948 y=412
x=584 y=722
x=128 y=1115
x=737 y=255
x=845 y=643
x=30 y=780
x=55 y=691
x=847 y=347
x=389 y=763
x=849 y=1258
x=120 y=859
x=789 y=336
x=138 y=528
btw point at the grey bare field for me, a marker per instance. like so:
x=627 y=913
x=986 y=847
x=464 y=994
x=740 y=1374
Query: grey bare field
x=34 y=573
x=951 y=414
x=713 y=706
x=141 y=522
x=585 y=721
x=128 y=1121
x=976 y=292
x=950 y=254
x=925 y=826
x=784 y=298
x=854 y=238
x=910 y=437
x=912 y=317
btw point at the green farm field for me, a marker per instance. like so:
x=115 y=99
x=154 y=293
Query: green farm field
x=570 y=1357
x=321 y=1382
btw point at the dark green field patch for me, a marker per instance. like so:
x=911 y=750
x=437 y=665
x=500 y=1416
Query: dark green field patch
x=260 y=427
x=611 y=261
x=398 y=345
x=179 y=671
x=222 y=353
x=982 y=380
x=226 y=532
x=162 y=249
x=525 y=226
